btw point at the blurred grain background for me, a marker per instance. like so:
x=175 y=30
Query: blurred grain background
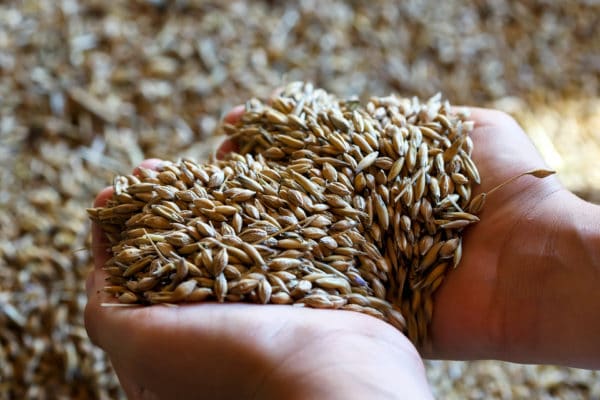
x=89 y=88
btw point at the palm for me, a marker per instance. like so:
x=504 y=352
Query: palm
x=472 y=305
x=243 y=350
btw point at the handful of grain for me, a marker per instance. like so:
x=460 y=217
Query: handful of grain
x=328 y=204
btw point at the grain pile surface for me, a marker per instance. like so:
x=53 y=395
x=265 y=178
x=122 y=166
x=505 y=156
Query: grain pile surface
x=329 y=204
x=90 y=88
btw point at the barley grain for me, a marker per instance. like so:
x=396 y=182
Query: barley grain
x=327 y=203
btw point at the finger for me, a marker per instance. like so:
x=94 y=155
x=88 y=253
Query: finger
x=229 y=145
x=90 y=282
x=100 y=243
x=226 y=147
x=277 y=92
x=95 y=313
x=502 y=150
x=234 y=116
x=495 y=128
x=150 y=163
x=94 y=286
x=483 y=116
x=103 y=196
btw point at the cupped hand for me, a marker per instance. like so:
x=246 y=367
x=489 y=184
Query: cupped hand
x=489 y=306
x=239 y=351
x=489 y=303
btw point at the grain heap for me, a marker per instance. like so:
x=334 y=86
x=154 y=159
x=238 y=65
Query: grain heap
x=328 y=204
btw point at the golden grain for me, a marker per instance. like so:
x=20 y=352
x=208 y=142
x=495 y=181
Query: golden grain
x=333 y=206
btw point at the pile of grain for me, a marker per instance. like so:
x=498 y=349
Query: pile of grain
x=329 y=205
x=89 y=88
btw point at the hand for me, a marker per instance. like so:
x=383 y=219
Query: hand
x=526 y=288
x=222 y=351
x=490 y=306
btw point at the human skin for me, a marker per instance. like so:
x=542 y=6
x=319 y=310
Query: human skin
x=524 y=291
x=529 y=272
